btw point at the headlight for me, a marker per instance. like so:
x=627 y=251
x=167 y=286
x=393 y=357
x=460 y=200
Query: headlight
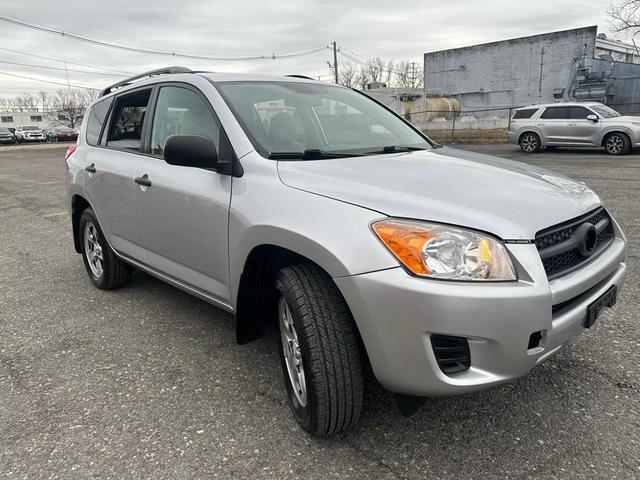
x=444 y=252
x=637 y=124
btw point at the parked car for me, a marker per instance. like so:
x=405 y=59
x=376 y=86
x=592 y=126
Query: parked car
x=314 y=208
x=6 y=136
x=574 y=125
x=29 y=133
x=60 y=134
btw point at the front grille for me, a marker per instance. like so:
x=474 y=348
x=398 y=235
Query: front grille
x=452 y=353
x=560 y=248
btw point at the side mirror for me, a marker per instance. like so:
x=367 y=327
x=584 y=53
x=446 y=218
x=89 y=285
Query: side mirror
x=592 y=117
x=190 y=151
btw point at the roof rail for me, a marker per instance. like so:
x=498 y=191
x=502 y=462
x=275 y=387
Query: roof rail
x=300 y=76
x=152 y=73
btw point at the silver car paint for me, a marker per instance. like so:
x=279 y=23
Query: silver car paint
x=323 y=209
x=572 y=132
x=449 y=186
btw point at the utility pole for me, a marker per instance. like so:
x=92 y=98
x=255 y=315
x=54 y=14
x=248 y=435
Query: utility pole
x=335 y=61
x=540 y=81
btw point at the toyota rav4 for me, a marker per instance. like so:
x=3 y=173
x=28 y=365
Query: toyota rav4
x=314 y=209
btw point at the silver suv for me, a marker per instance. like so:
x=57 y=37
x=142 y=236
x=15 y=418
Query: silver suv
x=574 y=125
x=316 y=210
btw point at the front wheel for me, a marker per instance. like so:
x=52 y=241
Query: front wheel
x=530 y=143
x=617 y=144
x=319 y=351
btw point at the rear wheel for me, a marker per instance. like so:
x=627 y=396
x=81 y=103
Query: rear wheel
x=530 y=142
x=319 y=351
x=106 y=271
x=617 y=144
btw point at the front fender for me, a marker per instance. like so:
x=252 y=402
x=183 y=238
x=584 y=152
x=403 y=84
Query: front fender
x=333 y=234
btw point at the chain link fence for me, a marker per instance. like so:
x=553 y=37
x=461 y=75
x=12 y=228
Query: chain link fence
x=487 y=125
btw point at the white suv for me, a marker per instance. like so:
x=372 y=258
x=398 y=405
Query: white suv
x=574 y=125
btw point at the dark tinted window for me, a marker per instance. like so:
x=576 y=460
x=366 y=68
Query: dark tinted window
x=525 y=113
x=36 y=118
x=97 y=116
x=127 y=121
x=555 y=113
x=7 y=119
x=578 y=113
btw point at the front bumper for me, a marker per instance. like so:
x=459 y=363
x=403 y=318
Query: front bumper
x=397 y=313
x=7 y=140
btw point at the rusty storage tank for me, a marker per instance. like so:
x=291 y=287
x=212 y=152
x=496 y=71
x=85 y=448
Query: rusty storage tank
x=422 y=110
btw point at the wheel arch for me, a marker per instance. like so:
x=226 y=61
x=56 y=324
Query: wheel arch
x=618 y=130
x=256 y=294
x=78 y=205
x=531 y=130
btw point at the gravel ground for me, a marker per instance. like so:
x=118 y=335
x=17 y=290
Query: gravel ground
x=147 y=382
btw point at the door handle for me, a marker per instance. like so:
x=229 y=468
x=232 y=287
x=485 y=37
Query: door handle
x=91 y=168
x=143 y=180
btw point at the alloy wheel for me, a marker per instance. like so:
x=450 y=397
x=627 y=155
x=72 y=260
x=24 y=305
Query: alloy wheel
x=615 y=144
x=529 y=143
x=93 y=249
x=291 y=351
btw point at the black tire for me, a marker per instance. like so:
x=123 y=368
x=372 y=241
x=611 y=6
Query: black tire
x=329 y=351
x=114 y=272
x=617 y=144
x=530 y=142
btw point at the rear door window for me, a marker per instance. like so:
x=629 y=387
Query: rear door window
x=97 y=116
x=525 y=113
x=555 y=113
x=127 y=121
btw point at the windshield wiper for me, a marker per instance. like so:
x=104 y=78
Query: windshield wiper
x=310 y=154
x=395 y=149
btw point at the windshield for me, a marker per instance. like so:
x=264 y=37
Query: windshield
x=329 y=121
x=604 y=111
x=30 y=128
x=4 y=130
x=64 y=129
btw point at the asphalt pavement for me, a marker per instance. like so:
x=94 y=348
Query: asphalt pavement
x=148 y=382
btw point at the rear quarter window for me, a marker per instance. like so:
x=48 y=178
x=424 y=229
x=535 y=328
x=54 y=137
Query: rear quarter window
x=96 y=119
x=525 y=113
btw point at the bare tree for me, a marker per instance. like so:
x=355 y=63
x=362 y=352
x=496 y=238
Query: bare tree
x=68 y=106
x=625 y=15
x=375 y=69
x=347 y=74
x=363 y=77
x=409 y=75
x=43 y=98
x=388 y=73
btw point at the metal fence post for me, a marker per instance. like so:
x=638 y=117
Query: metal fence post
x=453 y=129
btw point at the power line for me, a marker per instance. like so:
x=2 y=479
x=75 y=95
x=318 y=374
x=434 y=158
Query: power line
x=47 y=81
x=60 y=69
x=65 y=61
x=73 y=36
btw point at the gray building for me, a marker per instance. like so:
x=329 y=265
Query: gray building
x=571 y=65
x=515 y=72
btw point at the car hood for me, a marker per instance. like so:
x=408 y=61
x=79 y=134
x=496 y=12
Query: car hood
x=510 y=199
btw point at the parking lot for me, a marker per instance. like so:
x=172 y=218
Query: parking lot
x=148 y=382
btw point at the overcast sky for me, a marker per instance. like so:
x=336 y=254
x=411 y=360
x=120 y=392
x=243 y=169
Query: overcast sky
x=400 y=29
